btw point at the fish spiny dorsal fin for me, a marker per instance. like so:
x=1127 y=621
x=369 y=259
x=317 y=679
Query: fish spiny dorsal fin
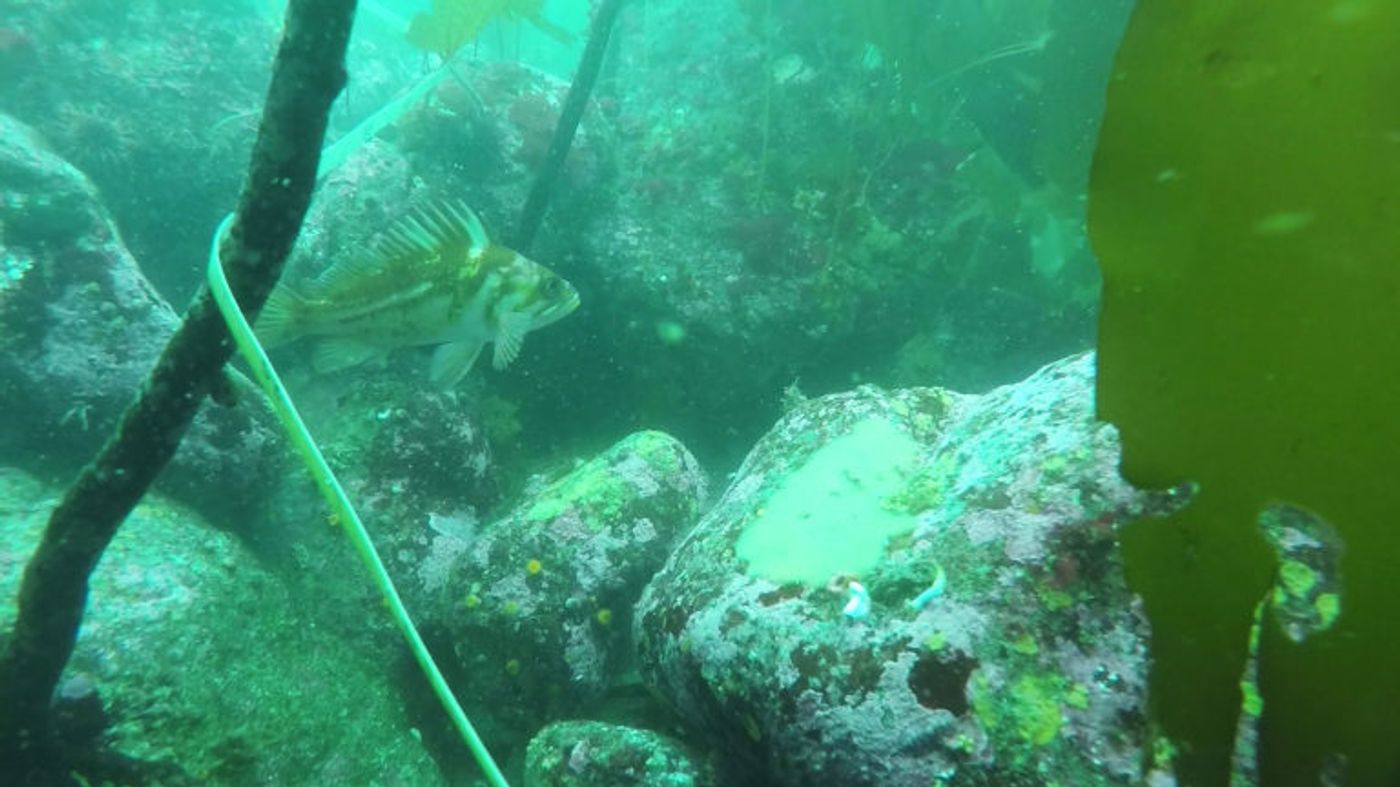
x=347 y=270
x=467 y=219
x=408 y=235
x=435 y=226
x=400 y=240
x=425 y=231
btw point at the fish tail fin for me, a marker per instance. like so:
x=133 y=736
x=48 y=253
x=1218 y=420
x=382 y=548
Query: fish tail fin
x=279 y=320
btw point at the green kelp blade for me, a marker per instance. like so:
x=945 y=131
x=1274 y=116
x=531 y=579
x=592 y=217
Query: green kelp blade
x=1245 y=207
x=451 y=24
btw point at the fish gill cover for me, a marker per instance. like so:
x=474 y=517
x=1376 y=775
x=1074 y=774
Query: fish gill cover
x=1245 y=214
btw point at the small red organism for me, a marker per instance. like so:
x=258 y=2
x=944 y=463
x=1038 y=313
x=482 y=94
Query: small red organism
x=1065 y=571
x=534 y=116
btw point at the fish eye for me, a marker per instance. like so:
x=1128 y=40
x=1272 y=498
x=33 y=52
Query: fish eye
x=551 y=286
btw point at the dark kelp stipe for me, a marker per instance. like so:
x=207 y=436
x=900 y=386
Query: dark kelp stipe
x=308 y=74
x=1245 y=208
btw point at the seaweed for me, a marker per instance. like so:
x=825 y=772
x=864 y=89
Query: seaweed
x=452 y=23
x=307 y=75
x=1244 y=208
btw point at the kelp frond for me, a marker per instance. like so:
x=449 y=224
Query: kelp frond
x=452 y=23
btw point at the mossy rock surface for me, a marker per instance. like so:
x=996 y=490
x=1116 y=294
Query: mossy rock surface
x=210 y=666
x=535 y=607
x=1000 y=644
x=594 y=754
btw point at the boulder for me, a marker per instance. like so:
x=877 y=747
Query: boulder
x=208 y=668
x=80 y=326
x=536 y=607
x=595 y=754
x=913 y=587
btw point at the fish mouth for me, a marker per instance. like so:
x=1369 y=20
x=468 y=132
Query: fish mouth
x=557 y=311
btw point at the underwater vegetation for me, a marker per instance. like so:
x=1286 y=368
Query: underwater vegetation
x=795 y=202
x=1245 y=212
x=452 y=23
x=830 y=263
x=52 y=598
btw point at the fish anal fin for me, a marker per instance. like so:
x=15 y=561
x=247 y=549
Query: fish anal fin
x=451 y=362
x=332 y=355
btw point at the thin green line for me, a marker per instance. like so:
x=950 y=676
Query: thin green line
x=340 y=504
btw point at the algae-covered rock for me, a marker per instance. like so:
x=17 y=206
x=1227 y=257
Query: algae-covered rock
x=537 y=606
x=208 y=668
x=157 y=103
x=80 y=326
x=914 y=587
x=418 y=465
x=594 y=754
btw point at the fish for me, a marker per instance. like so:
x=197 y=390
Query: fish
x=433 y=278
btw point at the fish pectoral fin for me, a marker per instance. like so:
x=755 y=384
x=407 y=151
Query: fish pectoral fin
x=451 y=362
x=510 y=335
x=332 y=355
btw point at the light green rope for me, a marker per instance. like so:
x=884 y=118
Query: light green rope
x=335 y=496
x=337 y=154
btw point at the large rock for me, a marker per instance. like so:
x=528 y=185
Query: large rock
x=211 y=670
x=536 y=607
x=594 y=754
x=998 y=643
x=80 y=326
x=156 y=102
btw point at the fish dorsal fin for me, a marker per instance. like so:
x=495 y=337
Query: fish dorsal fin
x=510 y=335
x=349 y=269
x=476 y=232
x=424 y=231
x=430 y=228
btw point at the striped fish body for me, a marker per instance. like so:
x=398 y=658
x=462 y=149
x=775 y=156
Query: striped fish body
x=435 y=278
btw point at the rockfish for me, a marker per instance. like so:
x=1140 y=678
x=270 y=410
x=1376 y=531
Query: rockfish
x=433 y=278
